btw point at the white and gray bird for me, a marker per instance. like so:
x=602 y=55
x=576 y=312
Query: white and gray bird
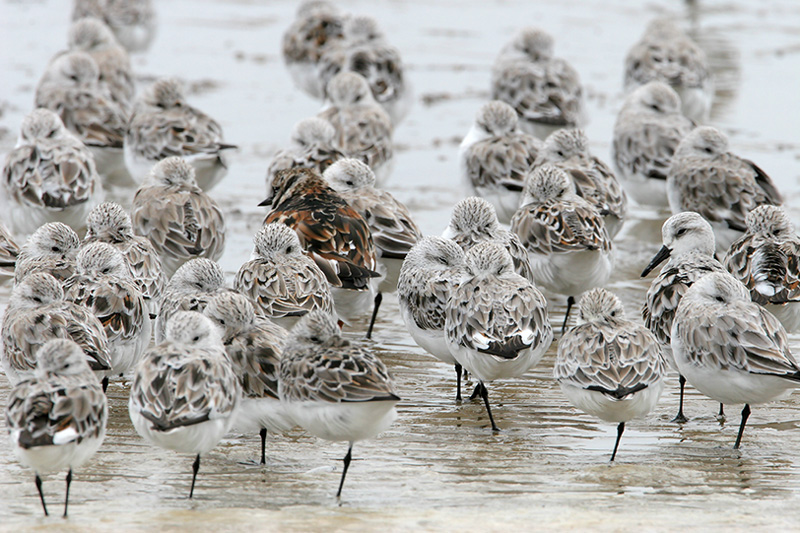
x=767 y=260
x=49 y=176
x=181 y=221
x=57 y=419
x=185 y=394
x=430 y=273
x=545 y=90
x=333 y=388
x=665 y=53
x=163 y=124
x=496 y=322
x=609 y=366
x=647 y=132
x=495 y=156
x=730 y=348
x=706 y=177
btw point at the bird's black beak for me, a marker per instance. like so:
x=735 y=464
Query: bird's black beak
x=659 y=258
x=267 y=201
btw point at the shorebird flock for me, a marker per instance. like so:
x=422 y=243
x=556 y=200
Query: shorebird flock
x=134 y=293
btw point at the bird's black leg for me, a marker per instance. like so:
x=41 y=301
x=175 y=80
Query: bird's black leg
x=620 y=430
x=41 y=494
x=105 y=384
x=745 y=416
x=378 y=300
x=680 y=418
x=475 y=392
x=66 y=498
x=195 y=469
x=263 y=434
x=485 y=396
x=346 y=460
x=570 y=303
x=458 y=383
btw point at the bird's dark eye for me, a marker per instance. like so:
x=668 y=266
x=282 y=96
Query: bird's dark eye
x=51 y=134
x=196 y=338
x=349 y=182
x=358 y=98
x=106 y=270
x=55 y=249
x=680 y=232
x=37 y=299
x=289 y=250
x=707 y=150
x=560 y=153
x=314 y=338
x=613 y=313
x=654 y=107
x=719 y=299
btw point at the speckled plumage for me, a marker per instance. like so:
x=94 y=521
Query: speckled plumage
x=707 y=178
x=363 y=129
x=767 y=260
x=282 y=282
x=163 y=125
x=180 y=220
x=647 y=132
x=36 y=313
x=495 y=157
x=50 y=176
x=57 y=419
x=545 y=91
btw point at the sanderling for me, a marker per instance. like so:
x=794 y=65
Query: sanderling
x=52 y=248
x=594 y=181
x=9 y=251
x=103 y=283
x=283 y=282
x=317 y=27
x=185 y=394
x=666 y=54
x=57 y=419
x=49 y=176
x=163 y=124
x=496 y=322
x=37 y=313
x=254 y=345
x=364 y=50
x=71 y=87
x=705 y=177
x=110 y=223
x=363 y=129
x=335 y=236
x=180 y=220
x=394 y=231
x=190 y=289
x=647 y=132
x=91 y=35
x=495 y=157
x=566 y=238
x=608 y=366
x=333 y=388
x=474 y=220
x=431 y=271
x=544 y=90
x=312 y=147
x=766 y=259
x=730 y=348
x=688 y=243
x=132 y=21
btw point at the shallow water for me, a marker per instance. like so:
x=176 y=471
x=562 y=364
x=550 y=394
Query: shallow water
x=440 y=467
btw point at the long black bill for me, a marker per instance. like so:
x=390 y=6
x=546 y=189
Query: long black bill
x=659 y=258
x=266 y=202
